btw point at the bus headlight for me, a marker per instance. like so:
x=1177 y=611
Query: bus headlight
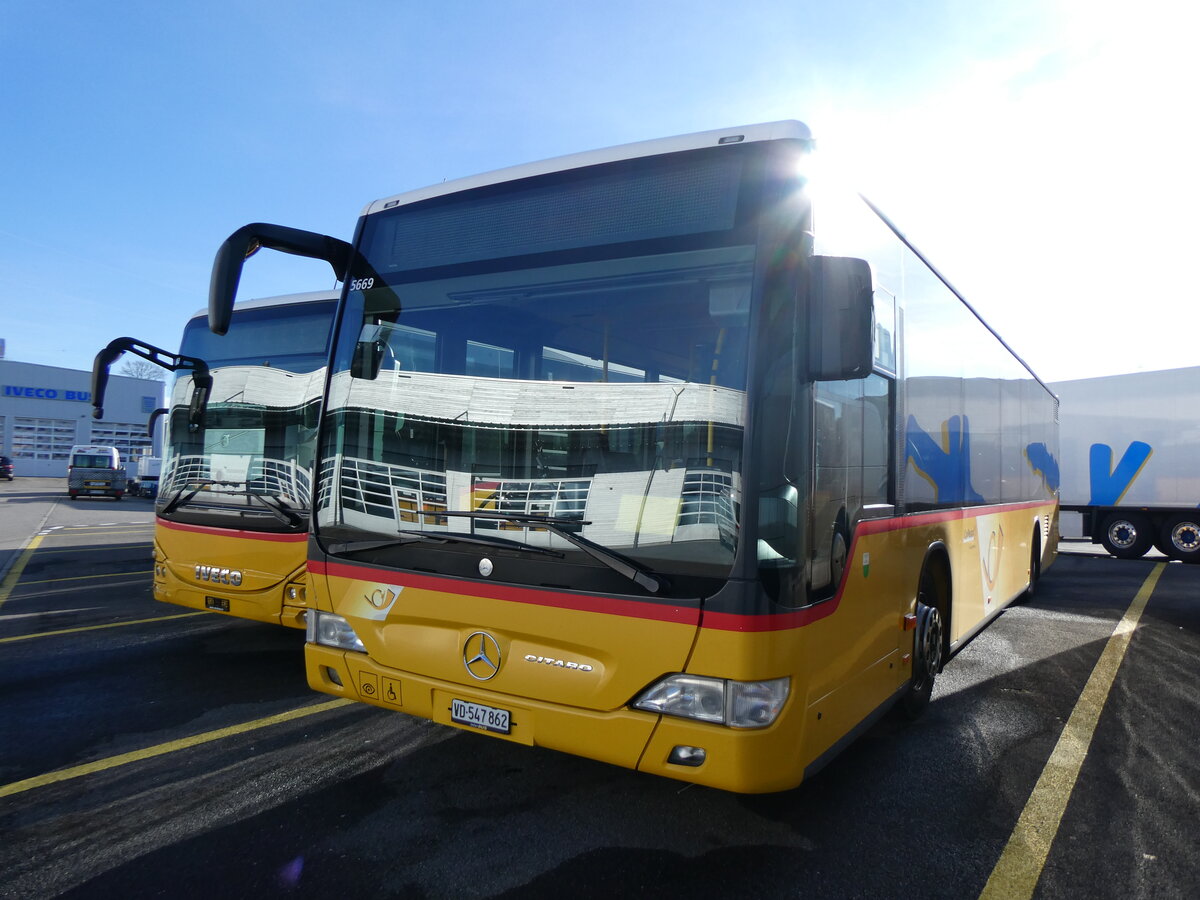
x=332 y=631
x=738 y=704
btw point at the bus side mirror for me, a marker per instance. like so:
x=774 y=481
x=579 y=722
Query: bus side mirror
x=100 y=369
x=778 y=527
x=201 y=387
x=841 y=318
x=368 y=352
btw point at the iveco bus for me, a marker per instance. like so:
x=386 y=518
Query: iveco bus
x=234 y=493
x=667 y=455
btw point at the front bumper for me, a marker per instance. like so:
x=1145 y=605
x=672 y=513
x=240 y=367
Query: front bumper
x=748 y=761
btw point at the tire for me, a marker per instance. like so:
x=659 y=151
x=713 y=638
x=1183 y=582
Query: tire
x=1035 y=567
x=117 y=496
x=1127 y=536
x=839 y=554
x=1180 y=538
x=928 y=644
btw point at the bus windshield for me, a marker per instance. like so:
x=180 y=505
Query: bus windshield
x=568 y=349
x=248 y=465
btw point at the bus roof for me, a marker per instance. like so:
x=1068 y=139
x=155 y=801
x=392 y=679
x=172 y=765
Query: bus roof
x=281 y=300
x=770 y=131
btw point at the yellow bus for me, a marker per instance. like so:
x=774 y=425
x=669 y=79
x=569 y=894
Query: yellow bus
x=668 y=455
x=234 y=498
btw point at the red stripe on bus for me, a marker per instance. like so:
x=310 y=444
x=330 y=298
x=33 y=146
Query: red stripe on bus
x=660 y=611
x=799 y=618
x=637 y=609
x=235 y=532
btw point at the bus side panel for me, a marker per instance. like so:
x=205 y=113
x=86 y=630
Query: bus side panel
x=851 y=655
x=843 y=656
x=197 y=567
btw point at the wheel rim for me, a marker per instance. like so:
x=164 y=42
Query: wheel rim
x=1185 y=537
x=929 y=644
x=837 y=559
x=1122 y=534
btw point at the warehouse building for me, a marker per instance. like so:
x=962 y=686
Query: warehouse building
x=45 y=410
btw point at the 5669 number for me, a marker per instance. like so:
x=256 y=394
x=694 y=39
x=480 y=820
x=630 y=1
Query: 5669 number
x=362 y=284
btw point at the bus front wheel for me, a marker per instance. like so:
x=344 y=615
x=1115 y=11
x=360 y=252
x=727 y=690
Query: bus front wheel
x=927 y=650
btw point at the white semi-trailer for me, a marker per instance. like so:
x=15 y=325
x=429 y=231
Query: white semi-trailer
x=1129 y=464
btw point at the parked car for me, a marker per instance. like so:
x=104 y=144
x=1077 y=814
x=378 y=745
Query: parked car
x=6 y=468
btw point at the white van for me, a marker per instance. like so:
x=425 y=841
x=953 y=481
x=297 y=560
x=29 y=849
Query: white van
x=95 y=469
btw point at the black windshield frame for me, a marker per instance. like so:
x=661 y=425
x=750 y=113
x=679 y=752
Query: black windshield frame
x=288 y=342
x=755 y=224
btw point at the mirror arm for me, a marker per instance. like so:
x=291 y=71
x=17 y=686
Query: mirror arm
x=172 y=362
x=154 y=417
x=248 y=240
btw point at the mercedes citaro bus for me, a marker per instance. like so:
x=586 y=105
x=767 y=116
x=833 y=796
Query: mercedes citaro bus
x=669 y=455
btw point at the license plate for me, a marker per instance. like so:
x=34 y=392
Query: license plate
x=476 y=715
x=217 y=603
x=95 y=484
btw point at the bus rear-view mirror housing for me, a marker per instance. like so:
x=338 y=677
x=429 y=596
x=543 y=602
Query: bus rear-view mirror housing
x=248 y=240
x=841 y=318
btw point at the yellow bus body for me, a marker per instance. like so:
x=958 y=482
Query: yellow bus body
x=847 y=658
x=248 y=574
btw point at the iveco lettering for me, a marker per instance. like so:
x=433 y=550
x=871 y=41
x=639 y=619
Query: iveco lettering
x=218 y=576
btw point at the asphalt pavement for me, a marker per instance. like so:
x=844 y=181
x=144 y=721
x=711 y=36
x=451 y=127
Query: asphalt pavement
x=147 y=750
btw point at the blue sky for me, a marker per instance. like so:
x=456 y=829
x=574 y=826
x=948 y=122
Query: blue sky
x=1039 y=151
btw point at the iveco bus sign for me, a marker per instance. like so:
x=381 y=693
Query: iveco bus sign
x=45 y=393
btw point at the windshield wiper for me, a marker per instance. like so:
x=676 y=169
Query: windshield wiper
x=441 y=537
x=557 y=525
x=277 y=509
x=178 y=499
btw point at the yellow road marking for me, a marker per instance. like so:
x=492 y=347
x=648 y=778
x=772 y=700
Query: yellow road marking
x=84 y=577
x=1020 y=865
x=83 y=533
x=109 y=549
x=14 y=574
x=41 y=634
x=112 y=762
x=66 y=528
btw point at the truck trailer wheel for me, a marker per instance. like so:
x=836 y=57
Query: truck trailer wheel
x=1180 y=538
x=1127 y=535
